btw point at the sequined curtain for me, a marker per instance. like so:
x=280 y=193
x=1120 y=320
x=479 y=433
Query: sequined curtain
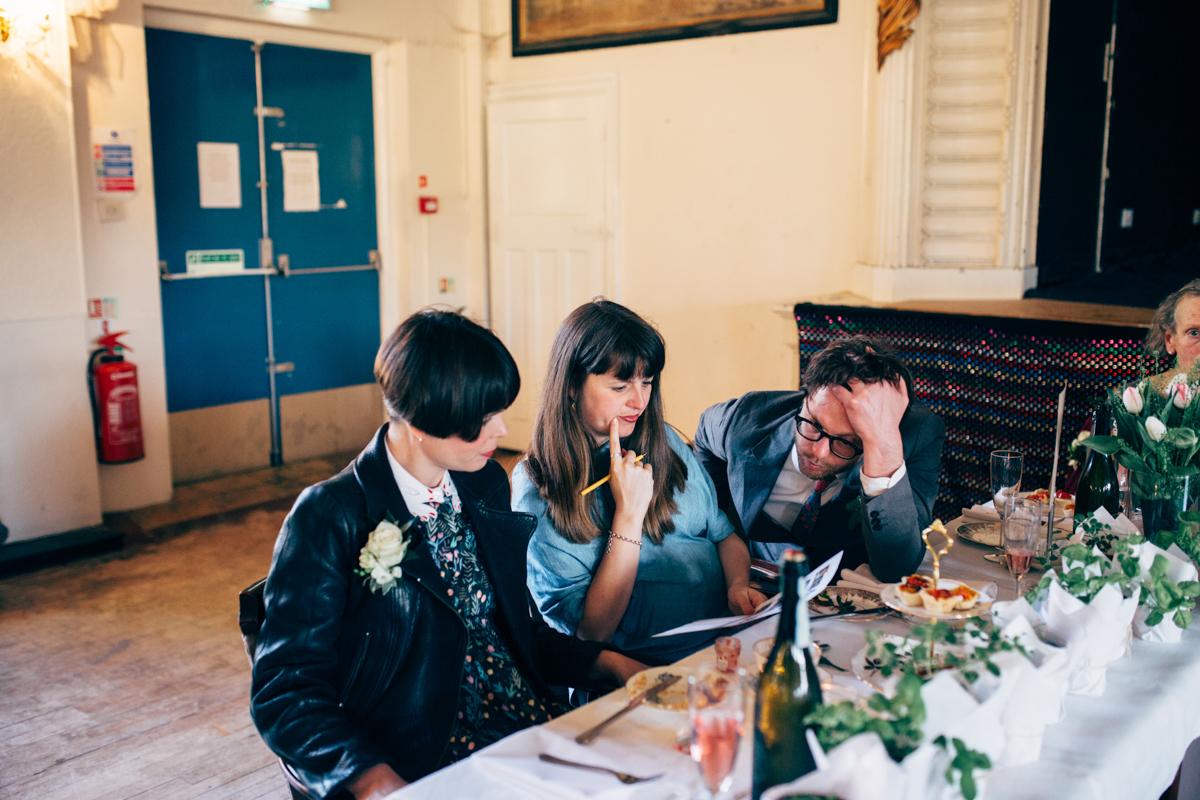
x=994 y=381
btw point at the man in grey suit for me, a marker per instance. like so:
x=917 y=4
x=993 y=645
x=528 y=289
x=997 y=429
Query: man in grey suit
x=850 y=462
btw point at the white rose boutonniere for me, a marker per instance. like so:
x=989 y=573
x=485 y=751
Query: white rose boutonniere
x=379 y=561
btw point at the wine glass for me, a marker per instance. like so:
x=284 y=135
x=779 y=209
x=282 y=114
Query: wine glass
x=1022 y=535
x=716 y=712
x=1007 y=466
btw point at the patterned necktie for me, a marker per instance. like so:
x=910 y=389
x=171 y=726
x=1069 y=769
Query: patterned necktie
x=808 y=513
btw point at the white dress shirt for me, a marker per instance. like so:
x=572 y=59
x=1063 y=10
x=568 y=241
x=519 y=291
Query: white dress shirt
x=420 y=499
x=793 y=488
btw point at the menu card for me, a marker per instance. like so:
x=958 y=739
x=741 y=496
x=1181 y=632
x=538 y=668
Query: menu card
x=814 y=583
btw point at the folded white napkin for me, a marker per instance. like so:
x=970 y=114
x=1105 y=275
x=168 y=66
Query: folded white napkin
x=1038 y=697
x=860 y=577
x=1119 y=524
x=860 y=768
x=1094 y=634
x=987 y=513
x=1179 y=569
x=515 y=760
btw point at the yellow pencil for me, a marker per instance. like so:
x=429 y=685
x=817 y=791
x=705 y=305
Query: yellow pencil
x=604 y=480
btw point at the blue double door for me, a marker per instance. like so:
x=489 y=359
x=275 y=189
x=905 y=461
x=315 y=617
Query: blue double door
x=323 y=318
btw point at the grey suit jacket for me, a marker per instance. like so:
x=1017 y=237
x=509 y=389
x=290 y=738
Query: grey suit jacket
x=744 y=442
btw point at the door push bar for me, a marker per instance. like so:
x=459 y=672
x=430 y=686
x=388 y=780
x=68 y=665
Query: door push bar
x=281 y=269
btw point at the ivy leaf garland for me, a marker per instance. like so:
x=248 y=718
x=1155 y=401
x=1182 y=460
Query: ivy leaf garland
x=965 y=762
x=898 y=720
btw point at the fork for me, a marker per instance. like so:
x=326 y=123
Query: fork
x=621 y=776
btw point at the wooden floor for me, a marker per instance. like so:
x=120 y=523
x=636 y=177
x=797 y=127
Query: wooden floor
x=123 y=675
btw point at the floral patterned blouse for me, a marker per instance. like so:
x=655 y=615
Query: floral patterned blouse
x=494 y=699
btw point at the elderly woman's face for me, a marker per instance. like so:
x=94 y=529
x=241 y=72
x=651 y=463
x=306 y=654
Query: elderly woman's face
x=1184 y=341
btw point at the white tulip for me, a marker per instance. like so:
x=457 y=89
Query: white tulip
x=1181 y=396
x=1155 y=428
x=1132 y=399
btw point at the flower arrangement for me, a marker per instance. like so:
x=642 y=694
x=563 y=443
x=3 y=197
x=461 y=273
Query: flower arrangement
x=1157 y=440
x=1156 y=432
x=379 y=561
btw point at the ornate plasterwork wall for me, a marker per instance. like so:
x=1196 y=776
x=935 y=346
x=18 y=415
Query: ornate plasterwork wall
x=953 y=155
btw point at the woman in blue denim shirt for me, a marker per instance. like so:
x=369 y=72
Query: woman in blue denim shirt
x=649 y=550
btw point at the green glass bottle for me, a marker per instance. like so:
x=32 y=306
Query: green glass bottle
x=1098 y=479
x=788 y=688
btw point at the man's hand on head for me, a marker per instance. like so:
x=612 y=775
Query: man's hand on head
x=874 y=411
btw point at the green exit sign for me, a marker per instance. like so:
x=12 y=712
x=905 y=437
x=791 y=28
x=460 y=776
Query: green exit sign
x=214 y=262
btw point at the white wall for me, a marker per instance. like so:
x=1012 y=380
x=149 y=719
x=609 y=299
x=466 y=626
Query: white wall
x=48 y=475
x=740 y=187
x=121 y=257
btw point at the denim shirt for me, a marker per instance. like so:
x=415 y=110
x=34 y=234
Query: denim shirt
x=677 y=582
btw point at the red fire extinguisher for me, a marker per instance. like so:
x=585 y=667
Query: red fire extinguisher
x=116 y=413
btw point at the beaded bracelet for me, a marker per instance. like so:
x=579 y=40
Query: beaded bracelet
x=612 y=535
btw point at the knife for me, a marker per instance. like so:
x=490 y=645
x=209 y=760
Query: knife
x=862 y=612
x=654 y=691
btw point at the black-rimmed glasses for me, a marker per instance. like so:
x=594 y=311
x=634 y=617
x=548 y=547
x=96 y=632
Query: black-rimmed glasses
x=842 y=448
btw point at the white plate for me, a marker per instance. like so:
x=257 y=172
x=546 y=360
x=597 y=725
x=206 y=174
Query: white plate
x=673 y=698
x=836 y=599
x=867 y=669
x=890 y=595
x=984 y=533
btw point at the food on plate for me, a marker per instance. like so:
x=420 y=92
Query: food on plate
x=967 y=597
x=910 y=589
x=959 y=597
x=673 y=698
x=941 y=601
x=1065 y=501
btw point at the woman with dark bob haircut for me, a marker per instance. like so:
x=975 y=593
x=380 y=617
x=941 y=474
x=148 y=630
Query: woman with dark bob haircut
x=397 y=635
x=649 y=550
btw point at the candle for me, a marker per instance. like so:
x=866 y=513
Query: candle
x=1062 y=400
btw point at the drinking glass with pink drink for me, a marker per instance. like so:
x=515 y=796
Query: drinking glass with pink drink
x=716 y=709
x=1022 y=535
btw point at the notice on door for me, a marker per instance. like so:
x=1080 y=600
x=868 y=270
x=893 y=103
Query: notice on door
x=220 y=174
x=214 y=262
x=112 y=162
x=301 y=180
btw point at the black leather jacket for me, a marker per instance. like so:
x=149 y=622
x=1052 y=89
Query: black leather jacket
x=345 y=679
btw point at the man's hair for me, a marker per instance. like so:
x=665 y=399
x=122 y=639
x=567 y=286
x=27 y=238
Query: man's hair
x=444 y=374
x=862 y=357
x=1164 y=317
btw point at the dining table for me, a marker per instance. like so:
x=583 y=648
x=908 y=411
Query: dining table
x=1124 y=745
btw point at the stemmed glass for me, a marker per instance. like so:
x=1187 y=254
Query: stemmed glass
x=716 y=712
x=1007 y=466
x=1022 y=535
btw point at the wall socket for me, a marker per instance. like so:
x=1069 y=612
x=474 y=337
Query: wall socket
x=110 y=210
x=1126 y=217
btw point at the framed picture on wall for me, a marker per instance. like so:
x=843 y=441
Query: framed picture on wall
x=556 y=26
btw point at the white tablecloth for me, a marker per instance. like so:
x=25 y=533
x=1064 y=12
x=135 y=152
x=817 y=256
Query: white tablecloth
x=1125 y=745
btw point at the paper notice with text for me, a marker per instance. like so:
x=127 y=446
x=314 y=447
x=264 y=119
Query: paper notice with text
x=220 y=174
x=301 y=180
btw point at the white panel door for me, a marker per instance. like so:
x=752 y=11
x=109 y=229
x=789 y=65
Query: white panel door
x=551 y=184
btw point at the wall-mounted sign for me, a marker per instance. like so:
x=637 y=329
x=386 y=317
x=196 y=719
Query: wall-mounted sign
x=214 y=262
x=220 y=174
x=112 y=162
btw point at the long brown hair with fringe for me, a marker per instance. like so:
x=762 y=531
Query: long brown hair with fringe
x=599 y=338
